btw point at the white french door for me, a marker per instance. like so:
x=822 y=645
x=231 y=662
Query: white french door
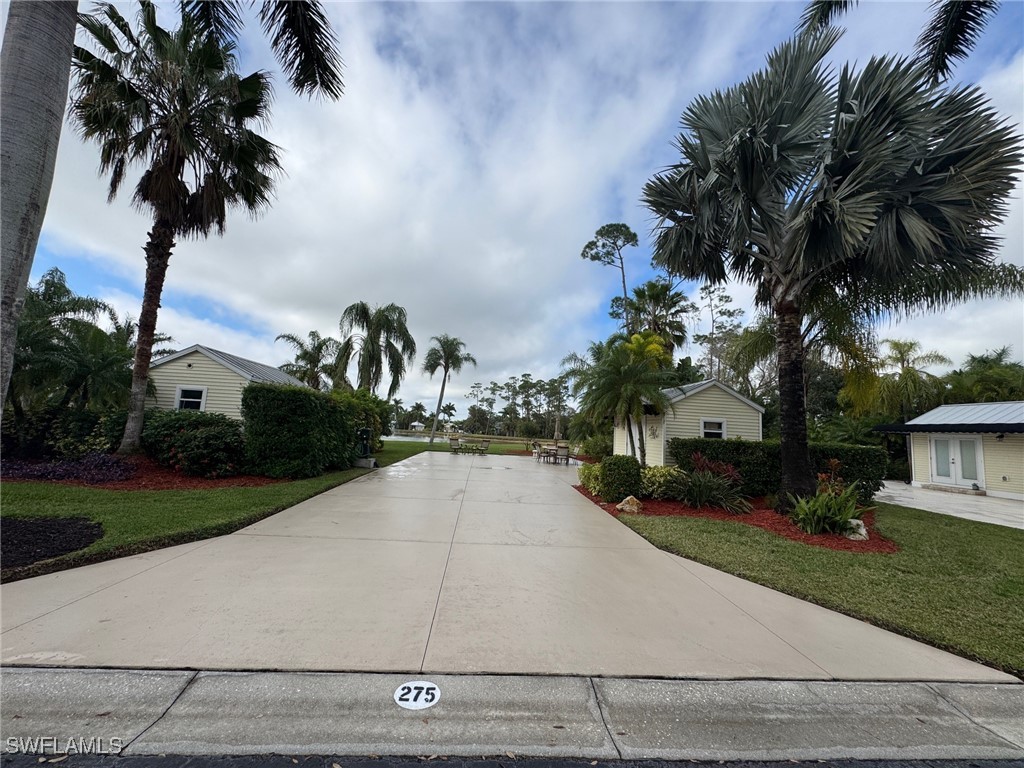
x=956 y=460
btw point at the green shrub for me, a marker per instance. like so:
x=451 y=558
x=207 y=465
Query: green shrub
x=194 y=442
x=365 y=409
x=620 y=477
x=662 y=483
x=597 y=447
x=758 y=462
x=829 y=511
x=709 y=489
x=590 y=478
x=297 y=432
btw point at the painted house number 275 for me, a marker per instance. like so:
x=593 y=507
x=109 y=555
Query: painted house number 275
x=418 y=694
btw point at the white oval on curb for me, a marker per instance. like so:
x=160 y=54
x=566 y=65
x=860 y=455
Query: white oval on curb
x=418 y=694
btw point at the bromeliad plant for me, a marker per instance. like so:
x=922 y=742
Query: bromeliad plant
x=832 y=509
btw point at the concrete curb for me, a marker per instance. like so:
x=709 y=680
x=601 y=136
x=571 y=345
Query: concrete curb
x=251 y=713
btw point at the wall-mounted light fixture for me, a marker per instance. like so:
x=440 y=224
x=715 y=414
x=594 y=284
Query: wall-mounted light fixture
x=1000 y=437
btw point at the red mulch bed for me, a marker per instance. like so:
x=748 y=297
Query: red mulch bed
x=150 y=476
x=765 y=518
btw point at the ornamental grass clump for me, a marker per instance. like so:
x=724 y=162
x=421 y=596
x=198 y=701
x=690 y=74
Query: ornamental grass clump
x=715 y=484
x=832 y=509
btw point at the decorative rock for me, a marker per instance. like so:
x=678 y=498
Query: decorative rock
x=856 y=531
x=630 y=504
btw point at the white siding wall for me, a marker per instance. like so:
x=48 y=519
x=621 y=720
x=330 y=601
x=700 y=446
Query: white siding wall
x=1004 y=458
x=712 y=404
x=223 y=386
x=655 y=442
x=620 y=443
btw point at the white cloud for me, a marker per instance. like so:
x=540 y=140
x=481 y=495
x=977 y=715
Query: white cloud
x=477 y=148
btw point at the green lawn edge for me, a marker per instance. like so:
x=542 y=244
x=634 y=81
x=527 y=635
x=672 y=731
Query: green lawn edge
x=179 y=517
x=955 y=584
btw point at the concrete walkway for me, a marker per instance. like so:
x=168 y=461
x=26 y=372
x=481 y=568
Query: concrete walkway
x=447 y=564
x=983 y=509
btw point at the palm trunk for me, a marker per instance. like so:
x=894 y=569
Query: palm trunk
x=35 y=66
x=797 y=476
x=437 y=411
x=158 y=254
x=642 y=441
x=632 y=441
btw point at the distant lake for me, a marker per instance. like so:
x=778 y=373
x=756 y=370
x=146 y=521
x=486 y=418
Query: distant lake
x=414 y=438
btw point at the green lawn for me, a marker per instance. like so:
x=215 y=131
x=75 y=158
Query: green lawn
x=956 y=584
x=139 y=521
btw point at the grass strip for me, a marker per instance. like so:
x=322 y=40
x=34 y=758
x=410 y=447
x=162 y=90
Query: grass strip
x=955 y=584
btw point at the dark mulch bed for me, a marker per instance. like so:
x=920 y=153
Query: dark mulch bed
x=131 y=473
x=27 y=540
x=765 y=518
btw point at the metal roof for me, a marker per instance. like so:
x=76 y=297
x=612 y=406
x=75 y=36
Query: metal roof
x=248 y=369
x=973 y=414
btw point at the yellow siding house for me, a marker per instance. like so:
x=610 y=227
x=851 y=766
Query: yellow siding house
x=705 y=409
x=970 y=447
x=204 y=379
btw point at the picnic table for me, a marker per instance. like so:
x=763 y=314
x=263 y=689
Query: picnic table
x=474 y=446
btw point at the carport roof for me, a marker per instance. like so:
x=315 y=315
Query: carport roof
x=965 y=417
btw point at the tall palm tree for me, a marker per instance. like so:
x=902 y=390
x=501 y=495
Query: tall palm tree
x=629 y=376
x=34 y=71
x=803 y=182
x=385 y=342
x=418 y=412
x=174 y=103
x=447 y=355
x=314 y=361
x=951 y=33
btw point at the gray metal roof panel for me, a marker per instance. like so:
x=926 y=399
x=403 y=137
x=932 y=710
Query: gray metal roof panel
x=973 y=413
x=254 y=371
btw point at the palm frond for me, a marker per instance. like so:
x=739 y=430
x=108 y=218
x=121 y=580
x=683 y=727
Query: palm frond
x=820 y=13
x=952 y=32
x=305 y=45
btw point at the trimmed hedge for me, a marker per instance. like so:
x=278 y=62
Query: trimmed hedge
x=296 y=432
x=620 y=477
x=194 y=442
x=758 y=462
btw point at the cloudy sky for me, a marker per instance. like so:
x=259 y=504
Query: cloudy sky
x=476 y=150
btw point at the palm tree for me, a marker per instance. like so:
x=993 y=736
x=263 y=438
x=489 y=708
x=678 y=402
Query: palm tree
x=951 y=33
x=384 y=343
x=629 y=376
x=991 y=377
x=53 y=315
x=803 y=182
x=418 y=412
x=314 y=361
x=34 y=71
x=910 y=390
x=656 y=307
x=446 y=354
x=173 y=102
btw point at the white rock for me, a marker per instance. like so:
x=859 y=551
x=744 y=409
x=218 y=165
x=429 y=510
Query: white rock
x=856 y=531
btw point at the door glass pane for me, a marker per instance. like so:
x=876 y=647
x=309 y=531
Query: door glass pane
x=942 y=458
x=968 y=460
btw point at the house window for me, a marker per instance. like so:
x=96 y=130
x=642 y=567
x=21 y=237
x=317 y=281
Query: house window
x=712 y=428
x=191 y=398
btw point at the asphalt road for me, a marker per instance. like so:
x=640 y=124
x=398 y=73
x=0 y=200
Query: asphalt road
x=319 y=761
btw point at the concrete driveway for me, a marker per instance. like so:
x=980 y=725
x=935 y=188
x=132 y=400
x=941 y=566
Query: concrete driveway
x=983 y=509
x=446 y=564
